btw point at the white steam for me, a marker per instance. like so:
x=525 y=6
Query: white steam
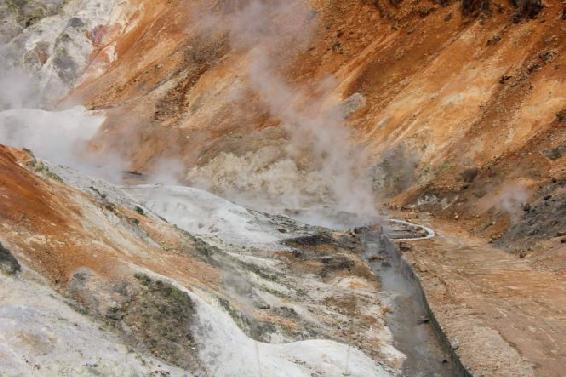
x=166 y=171
x=17 y=88
x=317 y=131
x=57 y=136
x=511 y=199
x=39 y=63
x=320 y=165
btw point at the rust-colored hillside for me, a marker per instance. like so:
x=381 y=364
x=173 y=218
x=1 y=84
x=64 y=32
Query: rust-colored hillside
x=447 y=113
x=456 y=104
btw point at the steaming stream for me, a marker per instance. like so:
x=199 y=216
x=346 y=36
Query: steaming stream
x=411 y=322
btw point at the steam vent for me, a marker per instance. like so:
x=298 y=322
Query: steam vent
x=283 y=188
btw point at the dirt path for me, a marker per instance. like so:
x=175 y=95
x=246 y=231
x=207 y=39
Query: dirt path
x=503 y=315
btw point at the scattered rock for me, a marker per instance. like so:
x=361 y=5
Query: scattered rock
x=526 y=9
x=297 y=253
x=353 y=103
x=424 y=12
x=9 y=265
x=91 y=364
x=475 y=7
x=338 y=48
x=547 y=56
x=533 y=67
x=504 y=79
x=310 y=240
x=263 y=305
x=76 y=23
x=405 y=247
x=114 y=313
x=133 y=173
x=493 y=40
x=286 y=311
x=375 y=258
x=469 y=175
x=494 y=238
x=455 y=344
x=555 y=153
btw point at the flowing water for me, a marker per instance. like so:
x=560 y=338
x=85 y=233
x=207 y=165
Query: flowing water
x=428 y=355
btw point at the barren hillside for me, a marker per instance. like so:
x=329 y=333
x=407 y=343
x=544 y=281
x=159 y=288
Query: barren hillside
x=333 y=113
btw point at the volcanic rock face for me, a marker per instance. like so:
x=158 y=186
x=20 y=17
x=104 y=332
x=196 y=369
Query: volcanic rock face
x=430 y=78
x=452 y=111
x=55 y=39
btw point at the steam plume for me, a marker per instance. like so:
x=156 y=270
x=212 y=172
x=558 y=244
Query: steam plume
x=271 y=33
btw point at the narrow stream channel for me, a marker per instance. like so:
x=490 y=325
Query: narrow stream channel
x=412 y=328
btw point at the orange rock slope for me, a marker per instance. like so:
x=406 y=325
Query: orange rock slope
x=459 y=106
x=446 y=99
x=59 y=230
x=452 y=91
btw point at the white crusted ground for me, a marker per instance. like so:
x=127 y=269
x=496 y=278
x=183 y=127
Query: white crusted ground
x=51 y=340
x=230 y=353
x=202 y=213
x=40 y=335
x=57 y=48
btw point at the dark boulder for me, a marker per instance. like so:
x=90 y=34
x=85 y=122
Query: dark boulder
x=526 y=9
x=9 y=265
x=475 y=7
